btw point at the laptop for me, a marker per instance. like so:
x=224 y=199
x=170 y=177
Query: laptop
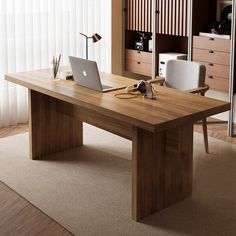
x=86 y=74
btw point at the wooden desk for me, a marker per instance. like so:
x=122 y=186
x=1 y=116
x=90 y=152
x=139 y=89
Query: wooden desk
x=161 y=131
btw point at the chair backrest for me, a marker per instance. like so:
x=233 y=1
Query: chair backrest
x=184 y=75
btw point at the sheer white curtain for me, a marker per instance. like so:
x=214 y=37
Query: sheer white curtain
x=33 y=31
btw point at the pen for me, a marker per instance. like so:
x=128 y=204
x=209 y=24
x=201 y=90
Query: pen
x=58 y=63
x=54 y=66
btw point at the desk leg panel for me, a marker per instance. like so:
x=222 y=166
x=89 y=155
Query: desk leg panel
x=162 y=169
x=50 y=131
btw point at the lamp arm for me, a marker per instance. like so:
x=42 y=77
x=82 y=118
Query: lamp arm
x=84 y=35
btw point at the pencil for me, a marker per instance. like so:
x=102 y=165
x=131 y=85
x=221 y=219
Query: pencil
x=58 y=63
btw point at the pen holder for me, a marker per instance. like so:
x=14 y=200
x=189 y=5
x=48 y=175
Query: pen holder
x=54 y=74
x=62 y=74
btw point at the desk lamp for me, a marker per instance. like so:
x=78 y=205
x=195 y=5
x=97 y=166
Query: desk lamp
x=95 y=37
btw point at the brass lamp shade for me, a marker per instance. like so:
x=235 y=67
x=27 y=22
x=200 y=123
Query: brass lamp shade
x=96 y=37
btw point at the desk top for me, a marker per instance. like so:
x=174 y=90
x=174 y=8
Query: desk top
x=171 y=108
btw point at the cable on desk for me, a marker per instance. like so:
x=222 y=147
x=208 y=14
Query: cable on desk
x=126 y=95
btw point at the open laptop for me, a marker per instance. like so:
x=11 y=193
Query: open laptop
x=86 y=74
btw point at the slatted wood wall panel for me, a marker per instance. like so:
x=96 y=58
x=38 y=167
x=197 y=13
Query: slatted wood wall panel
x=172 y=17
x=136 y=3
x=149 y=15
x=139 y=15
x=185 y=18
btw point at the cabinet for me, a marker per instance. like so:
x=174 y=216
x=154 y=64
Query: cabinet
x=215 y=55
x=139 y=62
x=175 y=26
x=171 y=23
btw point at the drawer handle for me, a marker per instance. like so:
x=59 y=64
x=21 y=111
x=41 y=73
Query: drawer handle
x=211 y=51
x=210 y=77
x=138 y=62
x=210 y=64
x=212 y=39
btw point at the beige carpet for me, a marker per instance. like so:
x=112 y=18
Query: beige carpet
x=88 y=190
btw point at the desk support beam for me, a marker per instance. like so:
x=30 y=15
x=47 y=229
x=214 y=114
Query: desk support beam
x=162 y=165
x=51 y=131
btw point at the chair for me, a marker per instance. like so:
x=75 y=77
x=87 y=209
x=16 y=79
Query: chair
x=188 y=76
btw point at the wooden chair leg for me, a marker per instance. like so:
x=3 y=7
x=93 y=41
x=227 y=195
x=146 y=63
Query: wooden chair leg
x=204 y=127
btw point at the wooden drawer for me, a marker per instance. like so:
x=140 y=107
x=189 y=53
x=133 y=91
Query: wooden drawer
x=216 y=69
x=138 y=56
x=211 y=56
x=222 y=45
x=218 y=83
x=139 y=67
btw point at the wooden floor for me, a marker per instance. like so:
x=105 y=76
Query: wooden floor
x=19 y=217
x=13 y=130
x=216 y=130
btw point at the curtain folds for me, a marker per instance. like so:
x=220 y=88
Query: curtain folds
x=33 y=31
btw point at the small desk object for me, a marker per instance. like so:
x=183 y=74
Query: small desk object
x=161 y=131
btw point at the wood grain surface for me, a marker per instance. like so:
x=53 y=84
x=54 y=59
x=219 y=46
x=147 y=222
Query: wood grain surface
x=155 y=187
x=13 y=130
x=171 y=108
x=215 y=55
x=138 y=15
x=212 y=56
x=50 y=131
x=208 y=43
x=20 y=217
x=216 y=130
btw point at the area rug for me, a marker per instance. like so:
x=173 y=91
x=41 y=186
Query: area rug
x=88 y=189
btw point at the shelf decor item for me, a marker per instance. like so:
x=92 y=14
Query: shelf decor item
x=223 y=9
x=95 y=38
